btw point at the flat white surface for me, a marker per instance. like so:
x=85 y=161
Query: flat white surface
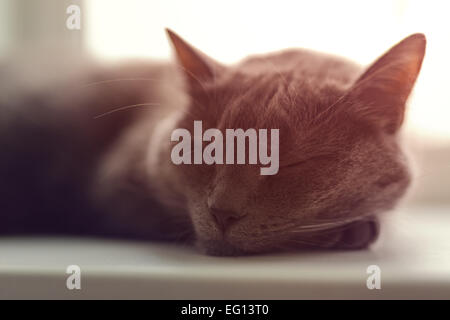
x=414 y=258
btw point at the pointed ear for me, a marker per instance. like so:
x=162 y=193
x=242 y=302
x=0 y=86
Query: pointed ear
x=381 y=91
x=198 y=67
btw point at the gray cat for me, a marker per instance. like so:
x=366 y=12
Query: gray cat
x=89 y=152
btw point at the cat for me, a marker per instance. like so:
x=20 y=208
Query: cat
x=91 y=155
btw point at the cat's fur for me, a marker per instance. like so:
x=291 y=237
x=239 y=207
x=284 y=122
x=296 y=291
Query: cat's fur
x=67 y=165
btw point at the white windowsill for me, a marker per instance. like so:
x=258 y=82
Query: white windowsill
x=414 y=262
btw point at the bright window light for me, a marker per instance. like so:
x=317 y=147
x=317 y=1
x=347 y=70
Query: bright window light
x=230 y=30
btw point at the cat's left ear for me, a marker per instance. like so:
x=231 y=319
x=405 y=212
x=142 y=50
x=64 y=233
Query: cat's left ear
x=381 y=91
x=197 y=66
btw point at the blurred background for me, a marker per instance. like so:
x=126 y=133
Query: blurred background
x=230 y=30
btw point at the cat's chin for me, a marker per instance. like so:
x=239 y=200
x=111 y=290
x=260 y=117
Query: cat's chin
x=356 y=236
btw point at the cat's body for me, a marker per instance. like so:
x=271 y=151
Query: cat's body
x=56 y=132
x=94 y=171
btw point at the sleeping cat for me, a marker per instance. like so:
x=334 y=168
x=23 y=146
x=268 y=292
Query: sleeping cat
x=90 y=153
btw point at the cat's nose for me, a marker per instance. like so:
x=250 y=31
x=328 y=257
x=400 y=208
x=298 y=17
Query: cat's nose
x=224 y=218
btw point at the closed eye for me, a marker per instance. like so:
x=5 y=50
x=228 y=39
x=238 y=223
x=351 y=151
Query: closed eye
x=304 y=161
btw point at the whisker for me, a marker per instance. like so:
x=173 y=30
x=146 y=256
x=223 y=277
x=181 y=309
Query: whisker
x=321 y=226
x=309 y=243
x=117 y=80
x=126 y=108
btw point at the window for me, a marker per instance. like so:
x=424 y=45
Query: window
x=232 y=29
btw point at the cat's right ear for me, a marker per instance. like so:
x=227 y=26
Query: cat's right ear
x=382 y=90
x=197 y=66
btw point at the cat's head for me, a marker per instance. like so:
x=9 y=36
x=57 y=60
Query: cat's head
x=339 y=160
